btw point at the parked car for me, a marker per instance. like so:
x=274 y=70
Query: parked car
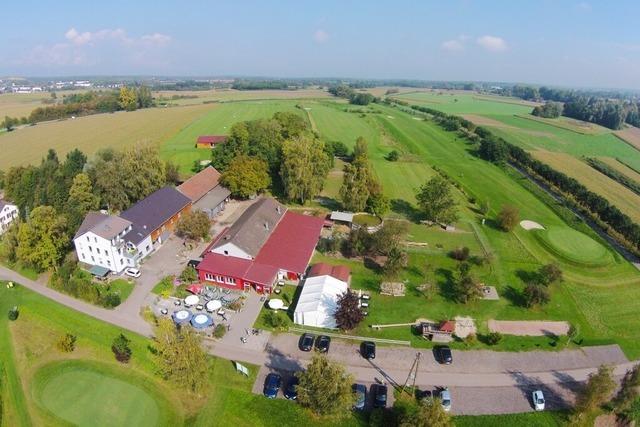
x=291 y=391
x=132 y=272
x=368 y=350
x=443 y=355
x=272 y=385
x=361 y=396
x=323 y=343
x=193 y=263
x=425 y=395
x=445 y=399
x=379 y=396
x=306 y=342
x=538 y=400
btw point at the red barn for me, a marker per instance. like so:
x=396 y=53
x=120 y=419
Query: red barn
x=267 y=243
x=210 y=141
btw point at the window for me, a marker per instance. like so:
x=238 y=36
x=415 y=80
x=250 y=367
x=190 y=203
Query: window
x=98 y=250
x=82 y=255
x=109 y=263
x=121 y=261
x=147 y=248
x=93 y=259
x=88 y=239
x=208 y=276
x=230 y=280
x=226 y=252
x=90 y=249
x=95 y=239
x=106 y=252
x=219 y=279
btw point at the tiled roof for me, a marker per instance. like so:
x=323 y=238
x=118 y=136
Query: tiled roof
x=200 y=184
x=105 y=226
x=211 y=139
x=340 y=272
x=156 y=209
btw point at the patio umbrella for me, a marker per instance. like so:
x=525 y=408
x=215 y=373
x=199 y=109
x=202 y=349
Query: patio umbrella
x=276 y=304
x=213 y=305
x=201 y=321
x=182 y=316
x=192 y=300
x=195 y=288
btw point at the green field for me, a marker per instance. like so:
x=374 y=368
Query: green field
x=574 y=246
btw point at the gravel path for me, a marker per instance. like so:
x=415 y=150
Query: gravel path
x=531 y=328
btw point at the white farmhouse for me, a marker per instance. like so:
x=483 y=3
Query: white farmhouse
x=111 y=242
x=8 y=214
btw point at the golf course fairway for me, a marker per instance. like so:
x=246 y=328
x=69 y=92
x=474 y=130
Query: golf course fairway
x=574 y=246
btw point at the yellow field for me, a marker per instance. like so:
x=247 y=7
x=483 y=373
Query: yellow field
x=622 y=168
x=21 y=104
x=626 y=200
x=237 y=95
x=91 y=133
x=631 y=135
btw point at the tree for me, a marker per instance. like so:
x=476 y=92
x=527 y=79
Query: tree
x=466 y=288
x=550 y=273
x=393 y=156
x=189 y=275
x=194 y=225
x=595 y=392
x=305 y=165
x=396 y=260
x=180 y=356
x=144 y=97
x=354 y=191
x=508 y=217
x=436 y=201
x=628 y=392
x=81 y=200
x=292 y=124
x=66 y=343
x=42 y=240
x=171 y=173
x=274 y=320
x=378 y=204
x=348 y=314
x=9 y=123
x=121 y=348
x=426 y=413
x=246 y=176
x=325 y=387
x=127 y=99
x=536 y=294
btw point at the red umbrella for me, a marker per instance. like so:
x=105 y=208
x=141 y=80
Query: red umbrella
x=195 y=289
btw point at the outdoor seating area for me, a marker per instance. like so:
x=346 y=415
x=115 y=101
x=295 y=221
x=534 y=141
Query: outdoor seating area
x=438 y=332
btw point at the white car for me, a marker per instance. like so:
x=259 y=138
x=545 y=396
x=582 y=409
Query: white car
x=445 y=399
x=132 y=272
x=538 y=400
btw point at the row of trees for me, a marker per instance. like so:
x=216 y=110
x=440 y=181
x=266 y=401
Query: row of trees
x=354 y=97
x=361 y=190
x=550 y=110
x=54 y=197
x=281 y=153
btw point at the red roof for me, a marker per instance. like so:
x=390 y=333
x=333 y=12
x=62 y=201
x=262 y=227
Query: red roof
x=200 y=184
x=238 y=267
x=211 y=139
x=340 y=272
x=448 y=326
x=292 y=243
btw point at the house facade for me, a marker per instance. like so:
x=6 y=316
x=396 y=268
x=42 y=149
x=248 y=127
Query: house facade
x=210 y=141
x=267 y=243
x=8 y=214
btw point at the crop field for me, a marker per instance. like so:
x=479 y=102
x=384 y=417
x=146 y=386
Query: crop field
x=223 y=95
x=180 y=147
x=91 y=133
x=626 y=200
x=631 y=135
x=622 y=168
x=22 y=104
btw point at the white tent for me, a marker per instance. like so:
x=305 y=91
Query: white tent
x=318 y=301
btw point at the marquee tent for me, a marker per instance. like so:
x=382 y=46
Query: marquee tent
x=318 y=301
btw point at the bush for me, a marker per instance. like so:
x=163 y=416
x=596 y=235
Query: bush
x=460 y=254
x=493 y=338
x=219 y=331
x=274 y=320
x=189 y=275
x=13 y=314
x=111 y=300
x=66 y=343
x=121 y=349
x=508 y=217
x=550 y=273
x=535 y=294
x=393 y=156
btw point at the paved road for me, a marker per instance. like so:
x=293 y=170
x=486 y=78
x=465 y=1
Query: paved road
x=480 y=381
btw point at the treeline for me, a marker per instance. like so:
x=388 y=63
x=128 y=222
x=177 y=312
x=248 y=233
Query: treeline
x=497 y=150
x=354 y=97
x=93 y=102
x=54 y=197
x=549 y=110
x=610 y=110
x=281 y=153
x=614 y=174
x=264 y=85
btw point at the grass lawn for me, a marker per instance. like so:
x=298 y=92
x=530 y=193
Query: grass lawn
x=27 y=272
x=366 y=220
x=123 y=287
x=622 y=168
x=529 y=419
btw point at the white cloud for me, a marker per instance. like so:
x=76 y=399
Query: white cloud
x=156 y=39
x=452 y=45
x=492 y=43
x=320 y=36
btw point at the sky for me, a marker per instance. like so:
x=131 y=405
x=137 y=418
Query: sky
x=563 y=43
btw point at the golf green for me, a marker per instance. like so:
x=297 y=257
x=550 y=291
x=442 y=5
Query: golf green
x=574 y=246
x=92 y=394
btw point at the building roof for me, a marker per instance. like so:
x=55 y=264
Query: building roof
x=341 y=216
x=318 y=301
x=156 y=209
x=340 y=272
x=238 y=267
x=255 y=225
x=292 y=243
x=211 y=139
x=213 y=198
x=4 y=203
x=105 y=226
x=200 y=184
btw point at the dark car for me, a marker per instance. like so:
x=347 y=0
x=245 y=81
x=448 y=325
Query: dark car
x=193 y=263
x=272 y=385
x=360 y=392
x=323 y=343
x=291 y=391
x=306 y=342
x=379 y=396
x=425 y=395
x=368 y=350
x=443 y=355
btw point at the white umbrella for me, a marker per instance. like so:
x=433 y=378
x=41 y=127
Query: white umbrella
x=192 y=300
x=213 y=305
x=276 y=304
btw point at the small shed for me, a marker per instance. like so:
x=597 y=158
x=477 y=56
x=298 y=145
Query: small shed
x=99 y=272
x=438 y=332
x=210 y=141
x=342 y=217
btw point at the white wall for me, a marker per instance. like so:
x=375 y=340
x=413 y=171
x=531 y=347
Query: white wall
x=8 y=214
x=95 y=250
x=231 y=250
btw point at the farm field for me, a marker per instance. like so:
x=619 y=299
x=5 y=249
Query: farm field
x=224 y=95
x=622 y=168
x=91 y=133
x=180 y=147
x=626 y=200
x=631 y=135
x=22 y=104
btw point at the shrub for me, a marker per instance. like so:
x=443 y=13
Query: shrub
x=550 y=273
x=471 y=340
x=13 y=314
x=66 y=343
x=274 y=320
x=219 y=331
x=121 y=349
x=535 y=294
x=508 y=217
x=111 y=300
x=493 y=338
x=393 y=156
x=460 y=254
x=189 y=275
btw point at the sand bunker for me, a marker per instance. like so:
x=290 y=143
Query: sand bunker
x=530 y=225
x=530 y=328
